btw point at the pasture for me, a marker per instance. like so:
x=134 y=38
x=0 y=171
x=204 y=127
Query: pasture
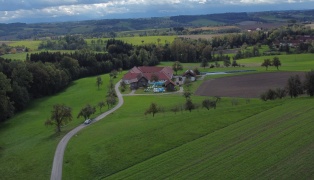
x=139 y=40
x=27 y=146
x=32 y=45
x=274 y=144
x=128 y=137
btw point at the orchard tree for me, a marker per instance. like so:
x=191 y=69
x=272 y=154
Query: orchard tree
x=86 y=111
x=309 y=83
x=294 y=86
x=177 y=67
x=187 y=94
x=276 y=62
x=60 y=115
x=153 y=109
x=206 y=104
x=101 y=104
x=189 y=105
x=266 y=63
x=98 y=81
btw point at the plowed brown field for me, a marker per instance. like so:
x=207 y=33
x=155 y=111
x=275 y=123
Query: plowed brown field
x=246 y=86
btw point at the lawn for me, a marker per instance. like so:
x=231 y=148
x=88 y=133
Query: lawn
x=27 y=146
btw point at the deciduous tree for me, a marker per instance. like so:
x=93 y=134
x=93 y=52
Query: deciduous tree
x=60 y=115
x=309 y=83
x=101 y=104
x=98 y=81
x=86 y=111
x=189 y=105
x=153 y=109
x=276 y=62
x=266 y=63
x=177 y=66
x=294 y=86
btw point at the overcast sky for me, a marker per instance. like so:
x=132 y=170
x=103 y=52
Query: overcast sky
x=31 y=11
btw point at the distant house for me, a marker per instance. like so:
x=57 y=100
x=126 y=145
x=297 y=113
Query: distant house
x=143 y=75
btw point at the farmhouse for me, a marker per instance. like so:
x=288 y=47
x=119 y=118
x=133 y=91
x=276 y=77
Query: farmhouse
x=143 y=75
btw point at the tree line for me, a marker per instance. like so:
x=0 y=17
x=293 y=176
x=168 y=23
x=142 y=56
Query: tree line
x=294 y=88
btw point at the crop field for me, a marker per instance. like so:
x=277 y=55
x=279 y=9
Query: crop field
x=246 y=86
x=138 y=40
x=27 y=146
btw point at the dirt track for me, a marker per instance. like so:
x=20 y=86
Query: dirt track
x=246 y=86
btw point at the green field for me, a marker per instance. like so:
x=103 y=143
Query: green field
x=137 y=40
x=274 y=144
x=252 y=140
x=27 y=146
x=32 y=45
x=22 y=56
x=293 y=62
x=128 y=137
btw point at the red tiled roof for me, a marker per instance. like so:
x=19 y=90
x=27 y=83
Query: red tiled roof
x=163 y=73
x=150 y=69
x=129 y=76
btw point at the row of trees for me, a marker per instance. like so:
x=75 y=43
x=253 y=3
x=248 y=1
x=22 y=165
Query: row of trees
x=62 y=114
x=294 y=88
x=187 y=106
x=274 y=62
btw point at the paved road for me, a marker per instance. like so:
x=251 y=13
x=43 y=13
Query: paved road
x=56 y=173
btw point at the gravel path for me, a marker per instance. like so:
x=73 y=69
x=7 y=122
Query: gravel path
x=56 y=173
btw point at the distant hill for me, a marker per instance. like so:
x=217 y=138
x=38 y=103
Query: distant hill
x=106 y=27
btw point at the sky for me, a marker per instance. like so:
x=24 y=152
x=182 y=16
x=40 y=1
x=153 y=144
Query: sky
x=34 y=11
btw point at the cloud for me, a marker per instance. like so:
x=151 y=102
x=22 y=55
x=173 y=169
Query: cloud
x=14 y=10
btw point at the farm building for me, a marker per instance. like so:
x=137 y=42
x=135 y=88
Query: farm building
x=189 y=74
x=143 y=75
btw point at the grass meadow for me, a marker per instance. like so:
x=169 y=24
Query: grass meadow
x=273 y=144
x=293 y=62
x=139 y=40
x=128 y=137
x=32 y=45
x=27 y=145
x=22 y=56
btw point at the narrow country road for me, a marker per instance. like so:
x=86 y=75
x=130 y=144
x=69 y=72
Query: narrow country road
x=56 y=173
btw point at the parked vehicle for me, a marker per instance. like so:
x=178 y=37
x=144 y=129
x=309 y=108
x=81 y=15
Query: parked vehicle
x=87 y=121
